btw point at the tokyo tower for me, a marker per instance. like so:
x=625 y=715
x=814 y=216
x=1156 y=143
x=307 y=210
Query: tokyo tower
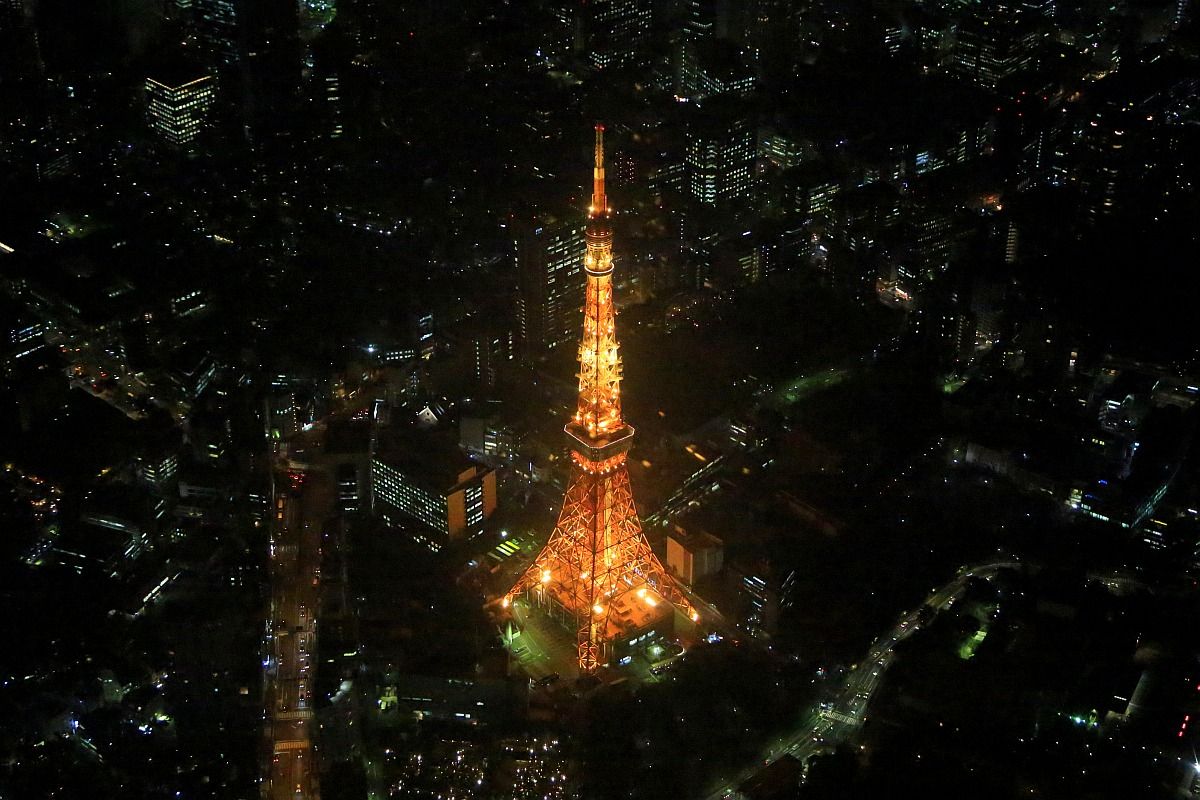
x=597 y=568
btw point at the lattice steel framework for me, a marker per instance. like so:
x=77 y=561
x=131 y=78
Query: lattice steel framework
x=598 y=555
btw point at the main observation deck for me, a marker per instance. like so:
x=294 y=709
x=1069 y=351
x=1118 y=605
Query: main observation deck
x=601 y=447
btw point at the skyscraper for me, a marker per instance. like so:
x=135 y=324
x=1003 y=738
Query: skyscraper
x=20 y=56
x=177 y=107
x=333 y=105
x=549 y=258
x=270 y=31
x=990 y=46
x=12 y=16
x=712 y=67
x=703 y=19
x=766 y=24
x=259 y=40
x=615 y=31
x=20 y=67
x=217 y=29
x=720 y=155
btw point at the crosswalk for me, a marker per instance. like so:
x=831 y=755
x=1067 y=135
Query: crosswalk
x=838 y=716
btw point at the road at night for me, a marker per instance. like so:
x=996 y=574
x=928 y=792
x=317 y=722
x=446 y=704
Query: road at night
x=831 y=723
x=302 y=502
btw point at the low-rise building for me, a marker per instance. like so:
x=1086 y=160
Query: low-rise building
x=694 y=554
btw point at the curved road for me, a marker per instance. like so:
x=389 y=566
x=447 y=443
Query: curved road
x=829 y=724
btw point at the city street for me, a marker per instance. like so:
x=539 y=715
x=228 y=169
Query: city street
x=302 y=502
x=832 y=723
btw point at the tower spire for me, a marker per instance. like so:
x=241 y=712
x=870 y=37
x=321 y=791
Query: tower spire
x=597 y=568
x=599 y=206
x=599 y=407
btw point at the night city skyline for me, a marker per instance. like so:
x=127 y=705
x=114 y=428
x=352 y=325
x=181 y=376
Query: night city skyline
x=573 y=399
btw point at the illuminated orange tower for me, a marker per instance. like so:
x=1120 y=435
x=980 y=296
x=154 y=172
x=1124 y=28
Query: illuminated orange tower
x=597 y=566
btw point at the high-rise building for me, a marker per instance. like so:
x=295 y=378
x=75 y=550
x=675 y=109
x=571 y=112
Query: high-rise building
x=562 y=33
x=991 y=46
x=20 y=66
x=491 y=348
x=182 y=13
x=158 y=466
x=269 y=32
x=712 y=67
x=729 y=258
x=783 y=150
x=217 y=29
x=703 y=19
x=1111 y=160
x=13 y=26
x=487 y=436
x=434 y=491
x=756 y=26
x=259 y=39
x=333 y=105
x=549 y=261
x=760 y=595
x=721 y=150
x=1180 y=13
x=347 y=488
x=935 y=237
x=177 y=107
x=597 y=572
x=604 y=34
x=22 y=334
x=615 y=32
x=484 y=342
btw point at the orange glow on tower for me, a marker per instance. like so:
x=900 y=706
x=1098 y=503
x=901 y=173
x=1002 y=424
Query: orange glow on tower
x=597 y=566
x=599 y=206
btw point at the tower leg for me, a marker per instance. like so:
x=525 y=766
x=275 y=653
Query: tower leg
x=589 y=650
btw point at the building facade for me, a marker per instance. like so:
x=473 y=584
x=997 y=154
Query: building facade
x=615 y=31
x=693 y=555
x=549 y=259
x=449 y=495
x=177 y=110
x=721 y=151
